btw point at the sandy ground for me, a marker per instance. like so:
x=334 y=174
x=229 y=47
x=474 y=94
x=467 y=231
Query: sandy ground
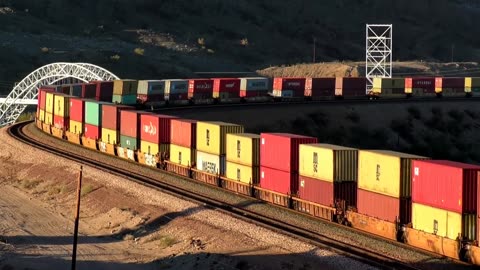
x=126 y=226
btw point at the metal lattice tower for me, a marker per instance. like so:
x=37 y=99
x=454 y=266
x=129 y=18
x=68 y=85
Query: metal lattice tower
x=379 y=44
x=26 y=91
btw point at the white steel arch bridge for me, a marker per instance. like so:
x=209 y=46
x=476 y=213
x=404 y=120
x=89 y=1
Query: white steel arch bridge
x=25 y=92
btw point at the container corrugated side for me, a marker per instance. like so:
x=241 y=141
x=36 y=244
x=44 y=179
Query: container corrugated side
x=62 y=105
x=211 y=136
x=77 y=109
x=92 y=132
x=210 y=163
x=154 y=148
x=110 y=136
x=280 y=150
x=125 y=87
x=278 y=181
x=182 y=155
x=156 y=128
x=470 y=226
x=314 y=190
x=436 y=221
x=243 y=173
x=49 y=101
x=111 y=115
x=384 y=207
x=328 y=162
x=93 y=112
x=386 y=172
x=243 y=148
x=448 y=185
x=184 y=132
x=129 y=142
x=76 y=127
x=130 y=123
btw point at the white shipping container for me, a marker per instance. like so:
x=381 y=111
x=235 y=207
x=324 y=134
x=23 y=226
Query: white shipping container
x=254 y=84
x=211 y=163
x=151 y=87
x=176 y=86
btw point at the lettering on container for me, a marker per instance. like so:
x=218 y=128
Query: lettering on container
x=203 y=86
x=435 y=226
x=315 y=162
x=58 y=106
x=207 y=139
x=424 y=82
x=302 y=183
x=417 y=171
x=238 y=174
x=150 y=129
x=238 y=148
x=229 y=85
x=378 y=172
x=179 y=157
x=209 y=167
x=293 y=84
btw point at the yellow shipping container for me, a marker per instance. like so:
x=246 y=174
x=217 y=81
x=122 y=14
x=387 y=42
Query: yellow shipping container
x=242 y=173
x=328 y=162
x=153 y=148
x=386 y=172
x=61 y=106
x=109 y=136
x=125 y=87
x=211 y=136
x=436 y=221
x=243 y=148
x=49 y=102
x=76 y=127
x=41 y=115
x=48 y=118
x=182 y=155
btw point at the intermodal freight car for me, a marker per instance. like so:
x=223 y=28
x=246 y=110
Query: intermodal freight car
x=382 y=192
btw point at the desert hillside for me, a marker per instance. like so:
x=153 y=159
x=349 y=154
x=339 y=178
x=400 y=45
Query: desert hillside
x=149 y=38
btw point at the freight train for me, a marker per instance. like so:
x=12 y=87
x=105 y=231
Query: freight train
x=412 y=199
x=258 y=89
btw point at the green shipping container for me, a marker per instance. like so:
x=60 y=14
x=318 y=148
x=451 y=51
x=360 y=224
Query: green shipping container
x=129 y=142
x=126 y=100
x=93 y=112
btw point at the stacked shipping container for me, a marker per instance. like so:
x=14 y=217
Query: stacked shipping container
x=279 y=158
x=384 y=185
x=253 y=87
x=61 y=115
x=419 y=86
x=472 y=86
x=155 y=133
x=211 y=145
x=151 y=90
x=200 y=89
x=110 y=123
x=328 y=174
x=450 y=86
x=226 y=88
x=389 y=86
x=445 y=196
x=183 y=142
x=77 y=115
x=318 y=88
x=130 y=129
x=176 y=90
x=49 y=101
x=243 y=157
x=93 y=119
x=42 y=97
x=350 y=86
x=125 y=92
x=289 y=87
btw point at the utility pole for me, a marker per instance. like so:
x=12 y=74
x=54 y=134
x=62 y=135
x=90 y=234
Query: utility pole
x=314 y=47
x=77 y=216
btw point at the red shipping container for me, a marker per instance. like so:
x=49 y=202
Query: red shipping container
x=327 y=193
x=297 y=85
x=92 y=132
x=408 y=82
x=229 y=85
x=427 y=84
x=450 y=82
x=155 y=128
x=77 y=109
x=280 y=150
x=89 y=90
x=319 y=87
x=130 y=123
x=384 y=207
x=447 y=185
x=61 y=122
x=111 y=115
x=184 y=132
x=200 y=88
x=278 y=181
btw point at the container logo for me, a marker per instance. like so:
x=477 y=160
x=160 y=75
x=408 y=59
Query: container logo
x=293 y=84
x=417 y=171
x=150 y=129
x=315 y=162
x=209 y=167
x=238 y=148
x=378 y=172
x=204 y=86
x=207 y=139
x=230 y=85
x=302 y=183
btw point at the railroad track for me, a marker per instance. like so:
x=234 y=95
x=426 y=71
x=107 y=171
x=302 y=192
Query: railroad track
x=357 y=253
